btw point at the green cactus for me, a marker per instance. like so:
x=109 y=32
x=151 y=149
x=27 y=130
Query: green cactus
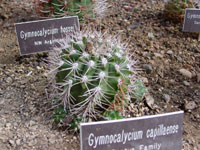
x=84 y=9
x=92 y=71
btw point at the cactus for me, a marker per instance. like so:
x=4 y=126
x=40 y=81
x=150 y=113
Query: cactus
x=92 y=71
x=175 y=9
x=84 y=9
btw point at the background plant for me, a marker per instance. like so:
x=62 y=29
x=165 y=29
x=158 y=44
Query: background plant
x=84 y=9
x=175 y=9
x=91 y=72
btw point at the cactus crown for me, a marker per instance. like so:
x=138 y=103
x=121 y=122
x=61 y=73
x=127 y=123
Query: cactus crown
x=91 y=72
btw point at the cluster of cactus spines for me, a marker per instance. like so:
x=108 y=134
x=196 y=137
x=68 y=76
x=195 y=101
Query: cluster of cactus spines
x=91 y=71
x=85 y=9
x=175 y=9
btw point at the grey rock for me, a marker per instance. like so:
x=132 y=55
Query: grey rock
x=180 y=59
x=186 y=83
x=133 y=26
x=150 y=34
x=158 y=55
x=12 y=142
x=144 y=80
x=52 y=140
x=18 y=142
x=148 y=68
x=9 y=80
x=166 y=97
x=170 y=52
x=190 y=105
x=186 y=73
x=149 y=100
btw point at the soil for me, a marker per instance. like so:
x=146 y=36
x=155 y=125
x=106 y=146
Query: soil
x=160 y=47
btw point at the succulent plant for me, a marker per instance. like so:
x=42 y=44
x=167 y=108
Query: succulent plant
x=84 y=9
x=175 y=9
x=90 y=72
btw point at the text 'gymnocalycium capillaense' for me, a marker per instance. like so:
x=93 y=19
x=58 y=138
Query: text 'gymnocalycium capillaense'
x=90 y=72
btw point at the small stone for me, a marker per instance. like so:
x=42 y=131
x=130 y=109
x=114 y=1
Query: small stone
x=198 y=77
x=45 y=74
x=126 y=7
x=197 y=116
x=132 y=105
x=149 y=100
x=38 y=67
x=31 y=123
x=172 y=81
x=180 y=59
x=8 y=125
x=74 y=138
x=186 y=73
x=186 y=83
x=9 y=80
x=170 y=52
x=148 y=68
x=150 y=34
x=52 y=140
x=144 y=80
x=166 y=97
x=158 y=55
x=133 y=26
x=12 y=142
x=18 y=142
x=1 y=50
x=190 y=105
x=198 y=94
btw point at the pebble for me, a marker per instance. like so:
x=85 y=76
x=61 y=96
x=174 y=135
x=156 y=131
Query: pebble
x=198 y=77
x=150 y=34
x=166 y=97
x=12 y=142
x=32 y=123
x=18 y=142
x=186 y=73
x=158 y=55
x=172 y=81
x=144 y=80
x=149 y=100
x=52 y=140
x=9 y=80
x=1 y=50
x=170 y=52
x=38 y=67
x=126 y=7
x=190 y=105
x=148 y=68
x=198 y=94
x=180 y=59
x=133 y=26
x=8 y=125
x=186 y=83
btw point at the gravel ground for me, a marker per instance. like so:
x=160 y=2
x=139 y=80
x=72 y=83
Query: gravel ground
x=169 y=58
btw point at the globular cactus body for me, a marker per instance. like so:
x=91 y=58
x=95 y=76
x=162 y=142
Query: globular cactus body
x=91 y=72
